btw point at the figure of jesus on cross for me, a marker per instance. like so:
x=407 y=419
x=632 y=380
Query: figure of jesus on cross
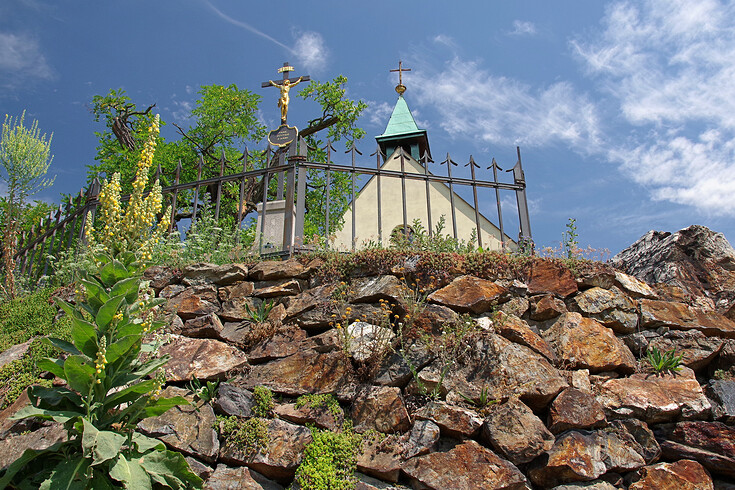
x=285 y=85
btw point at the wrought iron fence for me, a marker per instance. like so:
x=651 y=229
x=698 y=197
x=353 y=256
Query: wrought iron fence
x=282 y=201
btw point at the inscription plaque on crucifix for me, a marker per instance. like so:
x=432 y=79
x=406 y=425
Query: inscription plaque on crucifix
x=284 y=134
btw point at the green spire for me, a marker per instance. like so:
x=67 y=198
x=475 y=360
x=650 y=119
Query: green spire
x=401 y=121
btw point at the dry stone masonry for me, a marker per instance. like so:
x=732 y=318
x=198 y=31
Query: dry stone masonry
x=547 y=389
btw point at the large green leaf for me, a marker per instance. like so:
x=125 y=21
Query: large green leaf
x=101 y=445
x=56 y=415
x=84 y=336
x=146 y=443
x=69 y=474
x=171 y=469
x=121 y=347
x=53 y=366
x=55 y=395
x=96 y=294
x=130 y=474
x=107 y=311
x=131 y=393
x=128 y=288
x=161 y=405
x=79 y=374
x=112 y=272
x=152 y=365
x=28 y=455
x=62 y=345
x=68 y=309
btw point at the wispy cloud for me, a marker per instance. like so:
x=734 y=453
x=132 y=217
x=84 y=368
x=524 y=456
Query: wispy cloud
x=523 y=28
x=247 y=27
x=499 y=110
x=669 y=65
x=378 y=112
x=311 y=51
x=21 y=60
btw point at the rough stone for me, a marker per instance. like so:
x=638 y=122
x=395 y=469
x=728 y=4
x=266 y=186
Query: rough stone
x=710 y=443
x=500 y=368
x=321 y=316
x=723 y=392
x=194 y=301
x=238 y=290
x=433 y=317
x=185 y=428
x=516 y=330
x=381 y=457
x=311 y=298
x=203 y=327
x=725 y=361
x=366 y=341
x=238 y=478
x=372 y=289
x=547 y=277
x=395 y=371
x=161 y=276
x=638 y=342
x=233 y=400
x=466 y=466
x=236 y=333
x=680 y=475
x=221 y=275
x=654 y=398
x=514 y=431
x=171 y=290
x=11 y=448
x=276 y=288
x=470 y=294
x=575 y=409
x=236 y=309
x=579 y=455
x=697 y=350
x=302 y=373
x=14 y=353
x=453 y=421
x=638 y=436
x=584 y=343
x=422 y=439
x=380 y=408
x=282 y=456
x=516 y=305
x=322 y=417
x=610 y=307
x=286 y=341
x=679 y=316
x=270 y=270
x=546 y=307
x=204 y=358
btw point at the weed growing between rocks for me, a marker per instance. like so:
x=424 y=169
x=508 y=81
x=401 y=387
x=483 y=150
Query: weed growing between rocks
x=663 y=362
x=264 y=403
x=250 y=436
x=205 y=392
x=322 y=400
x=330 y=460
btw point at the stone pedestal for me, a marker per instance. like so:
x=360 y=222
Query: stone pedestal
x=275 y=217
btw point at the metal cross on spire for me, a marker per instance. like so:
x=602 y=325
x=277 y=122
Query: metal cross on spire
x=285 y=85
x=400 y=88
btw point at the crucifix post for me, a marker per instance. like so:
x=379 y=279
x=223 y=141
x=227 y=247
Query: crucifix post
x=285 y=85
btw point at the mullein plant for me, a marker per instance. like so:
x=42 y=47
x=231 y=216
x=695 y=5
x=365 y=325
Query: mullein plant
x=113 y=380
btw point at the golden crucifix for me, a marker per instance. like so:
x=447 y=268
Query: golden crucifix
x=400 y=88
x=285 y=85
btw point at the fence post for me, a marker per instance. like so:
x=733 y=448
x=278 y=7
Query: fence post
x=242 y=195
x=472 y=166
x=90 y=206
x=196 y=193
x=219 y=185
x=288 y=219
x=300 y=192
x=495 y=168
x=520 y=179
x=425 y=159
x=449 y=163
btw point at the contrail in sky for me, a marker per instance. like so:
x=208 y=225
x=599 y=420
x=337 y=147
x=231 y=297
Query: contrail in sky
x=248 y=27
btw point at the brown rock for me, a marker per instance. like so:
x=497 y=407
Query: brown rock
x=654 y=398
x=15 y=352
x=203 y=327
x=366 y=342
x=282 y=456
x=270 y=270
x=320 y=296
x=682 y=317
x=11 y=448
x=236 y=309
x=380 y=408
x=453 y=421
x=395 y=371
x=321 y=316
x=546 y=307
x=637 y=434
x=516 y=305
x=194 y=301
x=575 y=409
x=710 y=443
x=237 y=290
x=697 y=349
x=516 y=330
x=466 y=466
x=372 y=289
x=161 y=276
x=470 y=294
x=279 y=287
x=185 y=428
x=287 y=340
x=302 y=373
x=433 y=317
x=221 y=275
x=500 y=368
x=680 y=475
x=585 y=344
x=381 y=457
x=10 y=426
x=549 y=277
x=515 y=432
x=171 y=290
x=610 y=307
x=322 y=417
x=423 y=438
x=579 y=455
x=238 y=478
x=204 y=358
x=233 y=400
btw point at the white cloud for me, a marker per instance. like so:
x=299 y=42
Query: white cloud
x=523 y=28
x=21 y=60
x=499 y=110
x=378 y=113
x=670 y=66
x=311 y=51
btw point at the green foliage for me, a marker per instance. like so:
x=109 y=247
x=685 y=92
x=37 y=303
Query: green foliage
x=260 y=313
x=264 y=403
x=329 y=461
x=418 y=239
x=321 y=400
x=663 y=362
x=249 y=436
x=204 y=392
x=570 y=245
x=483 y=400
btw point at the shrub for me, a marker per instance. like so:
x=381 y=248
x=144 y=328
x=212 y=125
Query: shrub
x=264 y=403
x=249 y=436
x=330 y=460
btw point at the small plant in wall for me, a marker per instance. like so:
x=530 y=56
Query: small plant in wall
x=663 y=362
x=109 y=386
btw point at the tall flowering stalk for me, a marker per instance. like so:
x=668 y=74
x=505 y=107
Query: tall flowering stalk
x=110 y=387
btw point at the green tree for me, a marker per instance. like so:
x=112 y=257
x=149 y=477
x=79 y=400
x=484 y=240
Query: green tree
x=25 y=156
x=225 y=120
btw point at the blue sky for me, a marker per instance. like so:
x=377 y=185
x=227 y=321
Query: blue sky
x=624 y=111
